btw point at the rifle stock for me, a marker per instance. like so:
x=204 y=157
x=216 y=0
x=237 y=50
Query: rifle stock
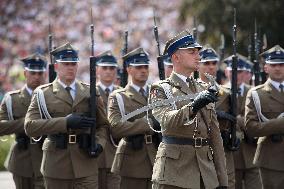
x=93 y=93
x=194 y=32
x=51 y=70
x=234 y=90
x=124 y=76
x=160 y=58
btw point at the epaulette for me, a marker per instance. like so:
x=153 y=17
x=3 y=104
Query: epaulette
x=158 y=83
x=257 y=87
x=44 y=85
x=119 y=90
x=14 y=92
x=83 y=83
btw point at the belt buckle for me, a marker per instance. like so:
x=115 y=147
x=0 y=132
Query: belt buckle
x=198 y=142
x=72 y=139
x=148 y=139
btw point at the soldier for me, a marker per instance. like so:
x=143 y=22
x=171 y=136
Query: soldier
x=264 y=118
x=25 y=154
x=208 y=64
x=136 y=151
x=106 y=69
x=60 y=110
x=168 y=66
x=247 y=174
x=191 y=154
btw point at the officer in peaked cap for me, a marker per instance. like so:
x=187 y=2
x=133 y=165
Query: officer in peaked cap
x=168 y=65
x=107 y=70
x=136 y=151
x=185 y=125
x=25 y=155
x=264 y=119
x=61 y=111
x=246 y=172
x=208 y=64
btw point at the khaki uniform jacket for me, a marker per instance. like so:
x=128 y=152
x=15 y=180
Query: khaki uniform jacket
x=72 y=162
x=244 y=156
x=223 y=104
x=128 y=162
x=184 y=165
x=272 y=105
x=21 y=162
x=106 y=158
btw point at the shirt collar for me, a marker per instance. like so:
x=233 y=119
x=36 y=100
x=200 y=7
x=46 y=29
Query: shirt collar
x=137 y=88
x=104 y=86
x=276 y=84
x=242 y=89
x=182 y=77
x=72 y=85
x=30 y=91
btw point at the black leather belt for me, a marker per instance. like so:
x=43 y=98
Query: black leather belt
x=197 y=142
x=69 y=138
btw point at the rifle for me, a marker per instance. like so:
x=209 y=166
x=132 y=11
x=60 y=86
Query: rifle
x=51 y=71
x=221 y=52
x=194 y=32
x=160 y=58
x=234 y=90
x=93 y=92
x=124 y=75
x=264 y=46
x=256 y=68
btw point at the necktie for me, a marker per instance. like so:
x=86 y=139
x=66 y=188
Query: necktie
x=281 y=87
x=107 y=90
x=142 y=92
x=68 y=89
x=239 y=91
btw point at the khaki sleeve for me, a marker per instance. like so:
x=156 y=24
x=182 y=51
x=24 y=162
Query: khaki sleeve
x=218 y=151
x=165 y=114
x=123 y=129
x=102 y=123
x=255 y=128
x=36 y=126
x=7 y=126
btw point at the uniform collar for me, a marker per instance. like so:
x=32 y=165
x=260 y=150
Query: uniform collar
x=72 y=85
x=104 y=86
x=276 y=84
x=182 y=77
x=29 y=90
x=137 y=88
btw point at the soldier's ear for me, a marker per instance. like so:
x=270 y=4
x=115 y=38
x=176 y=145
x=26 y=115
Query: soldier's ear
x=56 y=66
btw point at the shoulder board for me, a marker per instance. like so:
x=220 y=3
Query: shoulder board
x=44 y=85
x=157 y=83
x=83 y=83
x=14 y=92
x=257 y=87
x=119 y=90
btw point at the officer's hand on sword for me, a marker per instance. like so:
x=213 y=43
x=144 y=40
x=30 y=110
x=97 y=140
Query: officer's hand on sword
x=204 y=98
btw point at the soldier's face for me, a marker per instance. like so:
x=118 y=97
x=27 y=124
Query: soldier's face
x=107 y=73
x=168 y=70
x=187 y=59
x=241 y=76
x=275 y=71
x=139 y=74
x=34 y=79
x=208 y=67
x=66 y=71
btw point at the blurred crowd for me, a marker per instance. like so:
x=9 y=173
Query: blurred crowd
x=25 y=28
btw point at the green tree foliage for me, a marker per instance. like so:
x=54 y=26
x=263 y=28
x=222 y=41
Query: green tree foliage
x=217 y=17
